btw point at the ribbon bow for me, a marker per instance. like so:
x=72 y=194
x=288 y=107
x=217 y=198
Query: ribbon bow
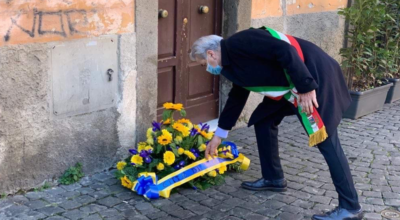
x=146 y=185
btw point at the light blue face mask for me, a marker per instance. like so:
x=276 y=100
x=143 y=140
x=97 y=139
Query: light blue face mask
x=214 y=70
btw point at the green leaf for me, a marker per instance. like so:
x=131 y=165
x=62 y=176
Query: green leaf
x=175 y=151
x=167 y=114
x=183 y=113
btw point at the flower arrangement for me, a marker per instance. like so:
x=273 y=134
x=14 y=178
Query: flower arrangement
x=174 y=154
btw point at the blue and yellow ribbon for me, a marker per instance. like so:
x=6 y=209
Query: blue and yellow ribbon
x=148 y=186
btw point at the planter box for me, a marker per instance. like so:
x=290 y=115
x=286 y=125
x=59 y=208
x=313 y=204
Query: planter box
x=394 y=91
x=367 y=102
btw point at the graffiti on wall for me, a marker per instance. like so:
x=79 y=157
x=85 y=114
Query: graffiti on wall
x=275 y=8
x=53 y=20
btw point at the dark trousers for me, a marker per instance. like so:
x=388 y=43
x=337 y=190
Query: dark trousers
x=267 y=140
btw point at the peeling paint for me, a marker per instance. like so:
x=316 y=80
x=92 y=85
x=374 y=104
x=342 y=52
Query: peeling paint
x=275 y=8
x=56 y=20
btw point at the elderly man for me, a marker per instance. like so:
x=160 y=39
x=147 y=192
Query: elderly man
x=296 y=77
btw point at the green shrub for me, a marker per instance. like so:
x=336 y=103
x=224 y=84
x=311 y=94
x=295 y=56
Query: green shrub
x=72 y=174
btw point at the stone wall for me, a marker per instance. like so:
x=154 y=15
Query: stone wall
x=58 y=104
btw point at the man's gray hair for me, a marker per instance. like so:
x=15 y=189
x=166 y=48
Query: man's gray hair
x=200 y=46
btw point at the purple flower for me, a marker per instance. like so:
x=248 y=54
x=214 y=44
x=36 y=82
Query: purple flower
x=133 y=164
x=193 y=132
x=204 y=127
x=196 y=155
x=133 y=151
x=182 y=163
x=177 y=167
x=144 y=153
x=169 y=148
x=147 y=160
x=156 y=126
x=150 y=151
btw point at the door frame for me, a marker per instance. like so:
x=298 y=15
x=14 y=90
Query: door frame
x=236 y=16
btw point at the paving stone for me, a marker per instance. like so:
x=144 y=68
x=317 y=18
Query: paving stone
x=374 y=201
x=372 y=216
x=109 y=213
x=291 y=209
x=372 y=194
x=320 y=199
x=56 y=218
x=86 y=190
x=273 y=204
x=85 y=199
x=157 y=215
x=70 y=204
x=51 y=210
x=392 y=202
x=55 y=191
x=269 y=212
x=102 y=176
x=284 y=198
x=36 y=204
x=71 y=187
x=109 y=201
x=254 y=216
x=35 y=195
x=303 y=204
x=286 y=215
x=92 y=208
x=30 y=215
x=182 y=214
x=19 y=199
x=93 y=217
x=75 y=214
x=216 y=214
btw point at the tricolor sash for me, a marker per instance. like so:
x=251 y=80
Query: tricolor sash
x=151 y=188
x=313 y=123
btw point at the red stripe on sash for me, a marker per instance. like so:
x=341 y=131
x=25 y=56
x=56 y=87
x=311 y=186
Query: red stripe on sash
x=296 y=45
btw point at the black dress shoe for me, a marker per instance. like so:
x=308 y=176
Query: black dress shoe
x=263 y=184
x=340 y=214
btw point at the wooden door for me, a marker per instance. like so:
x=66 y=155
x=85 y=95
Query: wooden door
x=180 y=23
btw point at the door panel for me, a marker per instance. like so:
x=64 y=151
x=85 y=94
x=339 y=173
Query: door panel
x=166 y=77
x=191 y=85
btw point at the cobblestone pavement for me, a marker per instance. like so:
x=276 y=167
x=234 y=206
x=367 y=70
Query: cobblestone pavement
x=371 y=145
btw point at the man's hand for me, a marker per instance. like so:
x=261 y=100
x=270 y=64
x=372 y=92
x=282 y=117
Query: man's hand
x=212 y=147
x=307 y=101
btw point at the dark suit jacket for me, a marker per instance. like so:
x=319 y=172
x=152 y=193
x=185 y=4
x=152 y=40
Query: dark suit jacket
x=254 y=58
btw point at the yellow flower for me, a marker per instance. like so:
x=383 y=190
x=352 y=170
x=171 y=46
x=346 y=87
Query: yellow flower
x=160 y=166
x=141 y=146
x=202 y=147
x=126 y=182
x=222 y=170
x=166 y=133
x=208 y=135
x=149 y=133
x=190 y=155
x=169 y=157
x=178 y=107
x=212 y=173
x=181 y=151
x=165 y=138
x=137 y=160
x=178 y=139
x=173 y=106
x=148 y=147
x=184 y=121
x=150 y=141
x=121 y=165
x=168 y=105
x=167 y=122
x=181 y=128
